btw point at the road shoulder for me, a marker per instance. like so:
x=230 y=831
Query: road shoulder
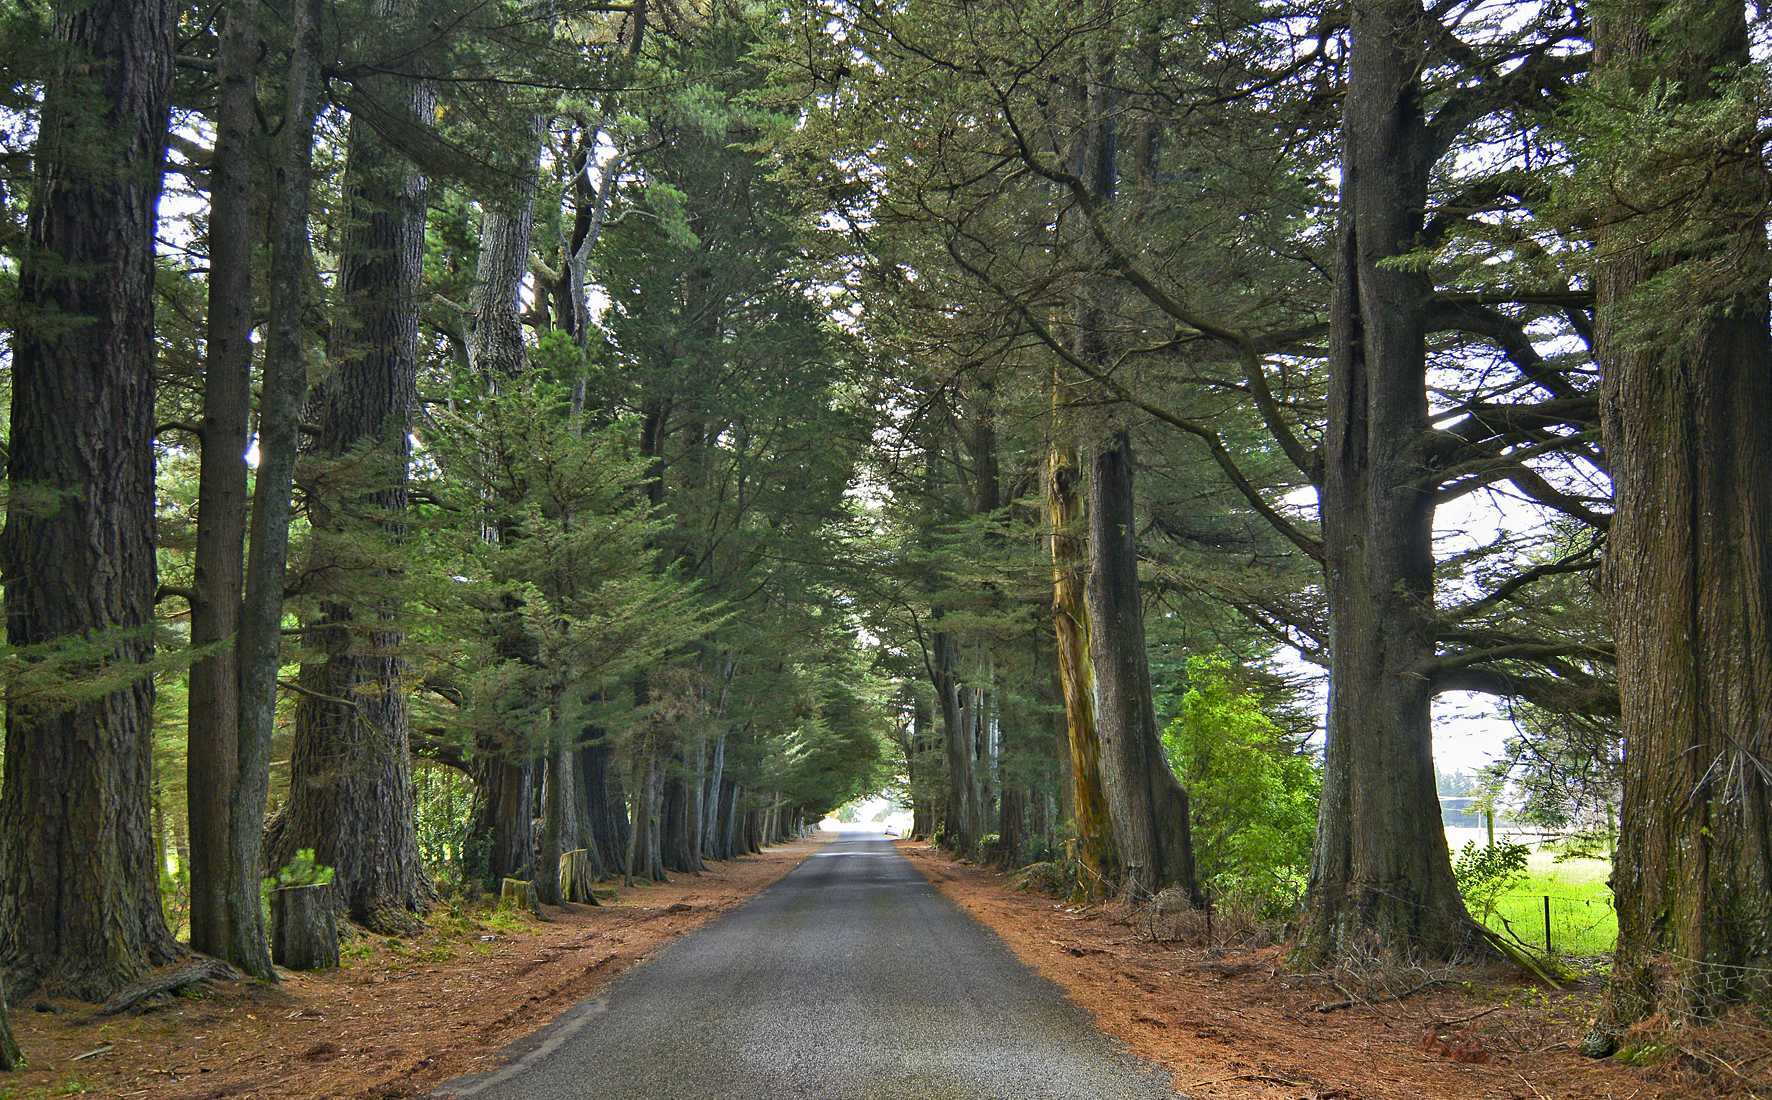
x=398 y=1018
x=1231 y=1021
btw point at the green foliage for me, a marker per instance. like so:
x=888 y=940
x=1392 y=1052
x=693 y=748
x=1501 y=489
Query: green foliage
x=1252 y=792
x=1485 y=874
x=300 y=871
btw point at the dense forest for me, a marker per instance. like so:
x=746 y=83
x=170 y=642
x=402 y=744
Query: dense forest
x=457 y=443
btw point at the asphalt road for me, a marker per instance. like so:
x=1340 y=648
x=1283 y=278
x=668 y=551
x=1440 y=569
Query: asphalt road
x=849 y=979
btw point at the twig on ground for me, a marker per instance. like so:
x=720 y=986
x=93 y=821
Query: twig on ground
x=1244 y=1077
x=1466 y=1019
x=1353 y=1000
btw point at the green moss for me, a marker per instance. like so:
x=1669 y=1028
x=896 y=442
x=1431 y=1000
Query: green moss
x=1640 y=1054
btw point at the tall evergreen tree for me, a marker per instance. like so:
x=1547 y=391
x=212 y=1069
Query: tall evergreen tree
x=81 y=910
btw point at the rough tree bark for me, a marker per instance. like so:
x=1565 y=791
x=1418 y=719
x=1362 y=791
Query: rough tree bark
x=1689 y=564
x=284 y=392
x=1147 y=805
x=960 y=813
x=503 y=831
x=1093 y=826
x=1380 y=868
x=81 y=906
x=213 y=712
x=350 y=786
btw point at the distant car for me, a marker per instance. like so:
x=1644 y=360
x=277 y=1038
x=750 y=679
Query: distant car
x=889 y=831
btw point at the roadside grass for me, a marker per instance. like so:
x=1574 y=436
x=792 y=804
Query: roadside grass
x=1583 y=922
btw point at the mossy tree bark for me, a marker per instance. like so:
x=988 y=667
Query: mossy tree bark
x=1090 y=820
x=1689 y=557
x=81 y=906
x=1146 y=803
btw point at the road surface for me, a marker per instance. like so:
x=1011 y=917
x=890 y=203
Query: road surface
x=849 y=979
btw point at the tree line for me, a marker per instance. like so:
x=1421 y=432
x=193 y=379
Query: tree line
x=673 y=420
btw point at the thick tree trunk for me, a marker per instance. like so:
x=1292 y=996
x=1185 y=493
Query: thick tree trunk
x=605 y=805
x=713 y=845
x=80 y=910
x=959 y=812
x=1689 y=575
x=495 y=308
x=1076 y=671
x=557 y=824
x=1380 y=869
x=350 y=783
x=284 y=393
x=213 y=713
x=503 y=832
x=1147 y=805
x=644 y=857
x=924 y=818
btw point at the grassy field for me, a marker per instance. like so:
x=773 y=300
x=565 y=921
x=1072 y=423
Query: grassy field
x=1582 y=920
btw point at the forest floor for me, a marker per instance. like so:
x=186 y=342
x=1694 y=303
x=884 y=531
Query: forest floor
x=1221 y=1011
x=398 y=1017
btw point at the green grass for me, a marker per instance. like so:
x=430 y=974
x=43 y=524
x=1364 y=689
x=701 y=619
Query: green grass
x=1582 y=919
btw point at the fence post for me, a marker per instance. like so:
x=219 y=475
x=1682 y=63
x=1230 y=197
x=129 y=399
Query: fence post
x=1547 y=938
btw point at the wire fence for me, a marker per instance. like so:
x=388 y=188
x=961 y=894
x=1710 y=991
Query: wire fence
x=1556 y=924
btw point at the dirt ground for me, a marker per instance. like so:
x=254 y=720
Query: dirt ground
x=1232 y=1023
x=1218 y=1010
x=394 y=1020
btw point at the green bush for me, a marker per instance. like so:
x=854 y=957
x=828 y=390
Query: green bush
x=300 y=871
x=1252 y=792
x=1484 y=874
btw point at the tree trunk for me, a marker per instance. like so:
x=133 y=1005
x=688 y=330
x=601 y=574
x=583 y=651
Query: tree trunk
x=495 y=308
x=556 y=801
x=1689 y=571
x=284 y=392
x=1076 y=672
x=504 y=815
x=605 y=804
x=1145 y=802
x=956 y=744
x=1380 y=867
x=304 y=935
x=81 y=904
x=923 y=815
x=350 y=772
x=644 y=858
x=213 y=712
x=713 y=846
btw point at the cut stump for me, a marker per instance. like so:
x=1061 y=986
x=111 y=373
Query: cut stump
x=575 y=877
x=304 y=935
x=517 y=894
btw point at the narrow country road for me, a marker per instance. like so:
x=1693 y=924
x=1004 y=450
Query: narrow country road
x=849 y=979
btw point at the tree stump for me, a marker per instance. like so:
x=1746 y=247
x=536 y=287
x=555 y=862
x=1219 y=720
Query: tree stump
x=517 y=894
x=303 y=933
x=575 y=877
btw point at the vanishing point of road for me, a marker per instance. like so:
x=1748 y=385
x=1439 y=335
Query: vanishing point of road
x=850 y=978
